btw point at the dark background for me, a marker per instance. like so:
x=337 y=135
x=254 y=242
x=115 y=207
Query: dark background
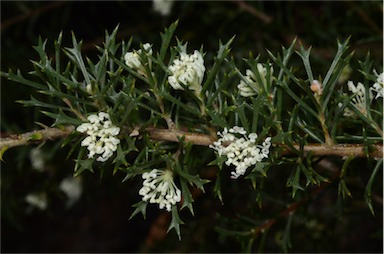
x=99 y=221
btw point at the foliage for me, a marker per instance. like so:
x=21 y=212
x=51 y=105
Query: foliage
x=301 y=108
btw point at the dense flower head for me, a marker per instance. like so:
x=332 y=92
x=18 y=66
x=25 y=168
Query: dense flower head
x=159 y=188
x=101 y=138
x=132 y=59
x=251 y=87
x=187 y=71
x=241 y=149
x=378 y=85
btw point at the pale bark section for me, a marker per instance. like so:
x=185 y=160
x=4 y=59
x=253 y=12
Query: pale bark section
x=356 y=150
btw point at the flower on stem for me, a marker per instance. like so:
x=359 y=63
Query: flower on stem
x=187 y=71
x=251 y=87
x=241 y=150
x=159 y=188
x=359 y=101
x=133 y=60
x=101 y=138
x=378 y=85
x=317 y=88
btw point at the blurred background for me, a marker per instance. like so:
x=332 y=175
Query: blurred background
x=94 y=217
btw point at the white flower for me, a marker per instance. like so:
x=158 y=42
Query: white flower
x=251 y=87
x=378 y=85
x=163 y=6
x=38 y=200
x=37 y=159
x=359 y=101
x=187 y=71
x=71 y=186
x=101 y=138
x=159 y=188
x=133 y=60
x=241 y=150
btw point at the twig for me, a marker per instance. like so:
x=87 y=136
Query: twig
x=357 y=150
x=31 y=13
x=252 y=10
x=35 y=137
x=291 y=208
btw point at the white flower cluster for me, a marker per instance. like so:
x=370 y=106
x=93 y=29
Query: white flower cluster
x=37 y=159
x=163 y=6
x=188 y=71
x=251 y=87
x=38 y=200
x=378 y=85
x=71 y=186
x=359 y=101
x=159 y=188
x=132 y=59
x=101 y=138
x=241 y=150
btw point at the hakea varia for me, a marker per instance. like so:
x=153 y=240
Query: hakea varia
x=250 y=86
x=134 y=61
x=101 y=139
x=159 y=188
x=187 y=71
x=241 y=149
x=378 y=85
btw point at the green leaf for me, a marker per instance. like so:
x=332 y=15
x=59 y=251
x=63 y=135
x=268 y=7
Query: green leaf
x=82 y=165
x=343 y=189
x=176 y=221
x=217 y=189
x=304 y=54
x=2 y=151
x=140 y=207
x=75 y=55
x=20 y=79
x=166 y=38
x=187 y=196
x=62 y=119
x=33 y=102
x=294 y=181
x=222 y=53
x=300 y=101
x=341 y=49
x=286 y=241
x=329 y=90
x=177 y=102
x=367 y=193
x=192 y=179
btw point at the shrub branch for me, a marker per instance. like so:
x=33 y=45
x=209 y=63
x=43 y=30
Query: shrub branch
x=202 y=139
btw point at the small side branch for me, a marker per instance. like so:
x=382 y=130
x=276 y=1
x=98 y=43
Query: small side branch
x=35 y=137
x=173 y=135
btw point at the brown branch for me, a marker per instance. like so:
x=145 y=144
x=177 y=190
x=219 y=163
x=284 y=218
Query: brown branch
x=31 y=13
x=202 y=139
x=35 y=137
x=289 y=210
x=252 y=10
